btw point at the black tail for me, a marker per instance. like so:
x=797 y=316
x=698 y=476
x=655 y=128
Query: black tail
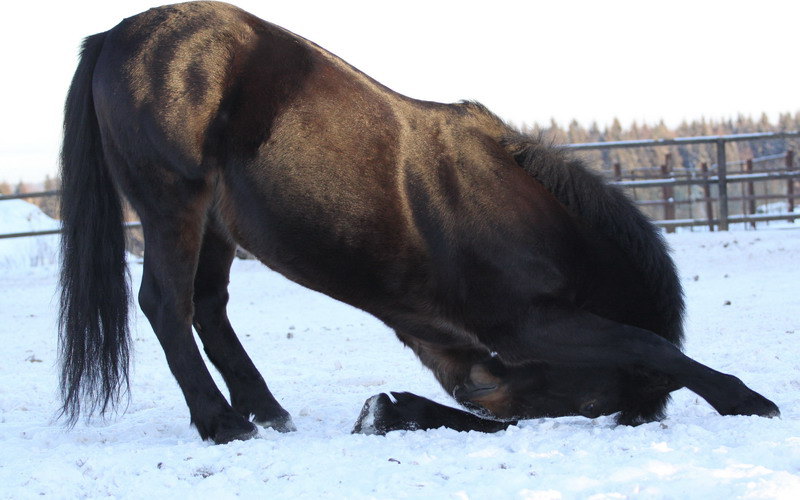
x=93 y=324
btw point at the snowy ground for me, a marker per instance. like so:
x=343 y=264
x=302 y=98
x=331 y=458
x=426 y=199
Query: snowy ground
x=322 y=359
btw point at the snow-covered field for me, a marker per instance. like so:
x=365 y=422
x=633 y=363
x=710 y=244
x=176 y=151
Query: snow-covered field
x=322 y=359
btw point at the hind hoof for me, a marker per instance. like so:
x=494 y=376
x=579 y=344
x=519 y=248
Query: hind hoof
x=283 y=423
x=239 y=433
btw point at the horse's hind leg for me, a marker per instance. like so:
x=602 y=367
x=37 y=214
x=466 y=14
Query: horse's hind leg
x=249 y=393
x=173 y=234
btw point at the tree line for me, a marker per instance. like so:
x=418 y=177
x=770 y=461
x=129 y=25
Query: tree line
x=689 y=156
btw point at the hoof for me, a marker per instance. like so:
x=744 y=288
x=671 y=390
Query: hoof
x=369 y=420
x=381 y=414
x=756 y=404
x=283 y=423
x=239 y=433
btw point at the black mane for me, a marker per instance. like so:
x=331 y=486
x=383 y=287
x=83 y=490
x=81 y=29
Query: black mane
x=614 y=217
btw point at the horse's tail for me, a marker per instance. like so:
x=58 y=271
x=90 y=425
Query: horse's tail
x=611 y=215
x=93 y=323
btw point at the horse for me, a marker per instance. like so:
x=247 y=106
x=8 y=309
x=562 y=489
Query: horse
x=527 y=285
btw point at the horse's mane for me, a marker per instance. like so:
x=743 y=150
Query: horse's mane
x=611 y=215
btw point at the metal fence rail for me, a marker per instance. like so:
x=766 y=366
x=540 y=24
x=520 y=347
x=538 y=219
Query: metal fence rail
x=41 y=194
x=715 y=179
x=128 y=225
x=721 y=180
x=682 y=141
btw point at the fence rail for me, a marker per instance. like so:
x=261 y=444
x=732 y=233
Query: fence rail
x=721 y=180
x=682 y=141
x=19 y=196
x=668 y=182
x=715 y=179
x=128 y=225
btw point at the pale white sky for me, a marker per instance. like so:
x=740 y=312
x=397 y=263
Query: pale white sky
x=528 y=61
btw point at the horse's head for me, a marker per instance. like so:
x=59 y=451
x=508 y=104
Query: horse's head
x=545 y=390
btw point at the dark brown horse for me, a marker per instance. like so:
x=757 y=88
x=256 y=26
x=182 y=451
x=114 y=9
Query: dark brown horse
x=528 y=286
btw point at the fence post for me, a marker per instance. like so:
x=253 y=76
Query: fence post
x=707 y=196
x=617 y=171
x=749 y=199
x=790 y=182
x=722 y=176
x=668 y=192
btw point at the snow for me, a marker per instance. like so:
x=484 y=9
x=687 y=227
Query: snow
x=18 y=216
x=323 y=359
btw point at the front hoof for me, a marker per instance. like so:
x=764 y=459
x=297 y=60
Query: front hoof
x=381 y=415
x=370 y=419
x=756 y=404
x=242 y=431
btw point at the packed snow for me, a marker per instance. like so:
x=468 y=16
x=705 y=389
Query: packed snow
x=323 y=359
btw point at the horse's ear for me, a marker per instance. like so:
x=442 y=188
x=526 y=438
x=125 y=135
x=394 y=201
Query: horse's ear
x=525 y=148
x=517 y=147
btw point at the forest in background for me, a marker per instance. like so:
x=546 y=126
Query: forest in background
x=683 y=157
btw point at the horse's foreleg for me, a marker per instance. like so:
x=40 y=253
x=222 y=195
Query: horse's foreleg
x=249 y=393
x=451 y=365
x=406 y=411
x=560 y=333
x=172 y=248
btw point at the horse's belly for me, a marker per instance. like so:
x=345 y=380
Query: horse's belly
x=342 y=237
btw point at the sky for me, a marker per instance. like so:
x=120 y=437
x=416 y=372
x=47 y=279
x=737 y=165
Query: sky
x=528 y=61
